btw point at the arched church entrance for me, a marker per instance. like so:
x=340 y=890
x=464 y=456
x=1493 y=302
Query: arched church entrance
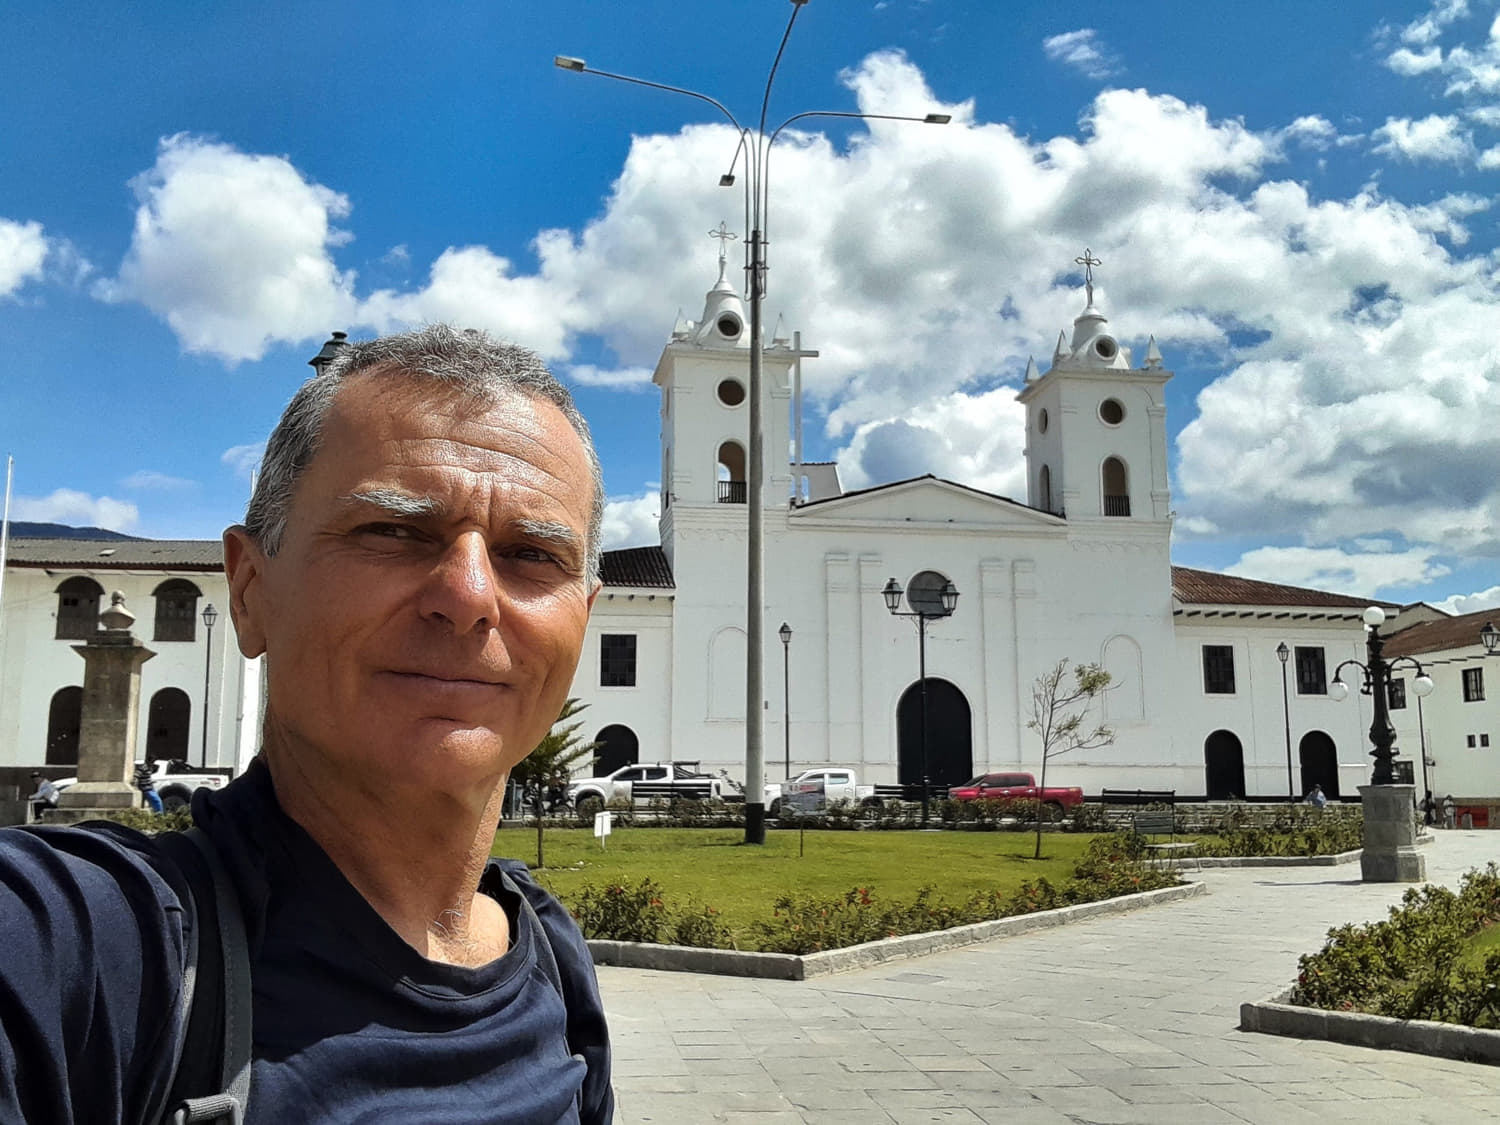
x=950 y=746
x=1224 y=765
x=64 y=722
x=1320 y=763
x=618 y=746
x=168 y=725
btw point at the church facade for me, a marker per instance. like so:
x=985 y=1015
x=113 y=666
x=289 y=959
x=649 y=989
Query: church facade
x=1078 y=571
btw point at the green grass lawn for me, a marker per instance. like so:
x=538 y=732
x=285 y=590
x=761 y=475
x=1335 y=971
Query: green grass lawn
x=715 y=866
x=1480 y=945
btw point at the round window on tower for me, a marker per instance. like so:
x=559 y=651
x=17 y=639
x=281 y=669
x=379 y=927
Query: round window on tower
x=1041 y=421
x=731 y=392
x=1105 y=348
x=1111 y=412
x=729 y=326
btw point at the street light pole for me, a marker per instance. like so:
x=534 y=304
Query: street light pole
x=757 y=146
x=785 y=633
x=929 y=602
x=210 y=615
x=1377 y=685
x=1282 y=652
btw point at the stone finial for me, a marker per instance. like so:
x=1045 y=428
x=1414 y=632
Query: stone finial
x=117 y=618
x=1031 y=371
x=1153 y=355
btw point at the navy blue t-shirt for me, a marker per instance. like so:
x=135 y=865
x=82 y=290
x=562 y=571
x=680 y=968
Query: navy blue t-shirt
x=350 y=1023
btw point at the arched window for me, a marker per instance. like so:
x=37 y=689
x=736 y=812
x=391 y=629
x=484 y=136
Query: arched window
x=1125 y=699
x=176 y=610
x=64 y=722
x=731 y=473
x=616 y=746
x=726 y=674
x=1116 y=487
x=78 y=609
x=1044 y=489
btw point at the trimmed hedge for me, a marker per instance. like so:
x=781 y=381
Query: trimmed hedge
x=1415 y=965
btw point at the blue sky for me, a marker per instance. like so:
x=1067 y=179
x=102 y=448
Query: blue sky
x=1297 y=200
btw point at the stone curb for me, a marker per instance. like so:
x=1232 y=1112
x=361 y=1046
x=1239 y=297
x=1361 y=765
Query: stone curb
x=1275 y=860
x=1273 y=1016
x=788 y=966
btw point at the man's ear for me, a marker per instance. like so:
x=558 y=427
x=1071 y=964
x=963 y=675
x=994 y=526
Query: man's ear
x=244 y=567
x=594 y=593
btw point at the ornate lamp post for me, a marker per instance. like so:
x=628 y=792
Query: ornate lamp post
x=1489 y=636
x=1282 y=652
x=931 y=598
x=756 y=144
x=785 y=633
x=210 y=615
x=1377 y=684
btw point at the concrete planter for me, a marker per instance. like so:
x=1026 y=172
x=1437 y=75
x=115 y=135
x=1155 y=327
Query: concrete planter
x=788 y=966
x=1274 y=1016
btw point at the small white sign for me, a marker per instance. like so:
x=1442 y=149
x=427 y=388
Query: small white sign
x=603 y=823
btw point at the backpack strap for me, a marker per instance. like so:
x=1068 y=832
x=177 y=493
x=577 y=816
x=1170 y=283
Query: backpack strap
x=216 y=993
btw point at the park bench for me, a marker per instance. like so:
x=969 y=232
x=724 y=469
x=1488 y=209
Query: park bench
x=1155 y=816
x=911 y=793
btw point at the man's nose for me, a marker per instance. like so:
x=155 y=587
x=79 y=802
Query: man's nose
x=462 y=589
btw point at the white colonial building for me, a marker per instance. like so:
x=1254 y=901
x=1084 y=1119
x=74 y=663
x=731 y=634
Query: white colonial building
x=1080 y=570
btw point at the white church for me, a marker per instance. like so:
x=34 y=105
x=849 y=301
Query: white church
x=1201 y=701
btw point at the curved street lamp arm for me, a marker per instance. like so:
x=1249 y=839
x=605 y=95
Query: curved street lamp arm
x=1406 y=662
x=765 y=160
x=662 y=86
x=1338 y=673
x=765 y=100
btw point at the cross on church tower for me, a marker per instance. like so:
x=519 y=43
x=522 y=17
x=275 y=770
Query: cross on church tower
x=725 y=237
x=1088 y=262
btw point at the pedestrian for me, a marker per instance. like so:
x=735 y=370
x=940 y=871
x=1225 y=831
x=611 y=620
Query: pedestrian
x=1316 y=798
x=417 y=565
x=1429 y=810
x=147 y=786
x=1450 y=812
x=45 y=796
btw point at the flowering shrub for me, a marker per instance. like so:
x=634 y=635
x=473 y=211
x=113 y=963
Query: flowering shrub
x=1413 y=964
x=1293 y=830
x=617 y=912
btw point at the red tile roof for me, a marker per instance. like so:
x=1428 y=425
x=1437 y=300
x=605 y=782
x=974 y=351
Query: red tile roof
x=200 y=555
x=1204 y=587
x=1445 y=633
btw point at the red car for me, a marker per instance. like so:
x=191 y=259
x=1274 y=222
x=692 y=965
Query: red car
x=1017 y=787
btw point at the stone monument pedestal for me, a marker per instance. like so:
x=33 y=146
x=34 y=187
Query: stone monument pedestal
x=1390 y=854
x=112 y=662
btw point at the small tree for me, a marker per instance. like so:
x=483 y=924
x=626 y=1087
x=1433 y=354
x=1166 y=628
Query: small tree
x=1058 y=709
x=551 y=763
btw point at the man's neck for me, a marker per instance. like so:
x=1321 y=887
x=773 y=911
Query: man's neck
x=416 y=858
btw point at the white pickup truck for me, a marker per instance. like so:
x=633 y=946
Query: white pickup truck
x=174 y=780
x=652 y=780
x=826 y=785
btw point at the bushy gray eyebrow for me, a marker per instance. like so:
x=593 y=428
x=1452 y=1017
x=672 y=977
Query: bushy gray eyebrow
x=394 y=502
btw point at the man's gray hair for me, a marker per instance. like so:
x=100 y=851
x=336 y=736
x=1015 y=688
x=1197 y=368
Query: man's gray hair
x=469 y=362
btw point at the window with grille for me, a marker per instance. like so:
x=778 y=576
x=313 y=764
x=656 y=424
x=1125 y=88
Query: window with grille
x=1397 y=697
x=78 y=609
x=1312 y=674
x=1218 y=669
x=617 y=660
x=176 y=610
x=1473 y=685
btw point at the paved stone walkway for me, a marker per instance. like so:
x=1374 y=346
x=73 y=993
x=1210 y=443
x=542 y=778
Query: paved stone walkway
x=1130 y=1019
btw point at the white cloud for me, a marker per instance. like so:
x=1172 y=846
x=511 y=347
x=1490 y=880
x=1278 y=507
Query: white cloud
x=1346 y=572
x=1311 y=132
x=150 y=479
x=244 y=460
x=1427 y=27
x=622 y=378
x=1435 y=137
x=1082 y=50
x=232 y=250
x=79 y=509
x=1460 y=604
x=23 y=249
x=1407 y=62
x=630 y=521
